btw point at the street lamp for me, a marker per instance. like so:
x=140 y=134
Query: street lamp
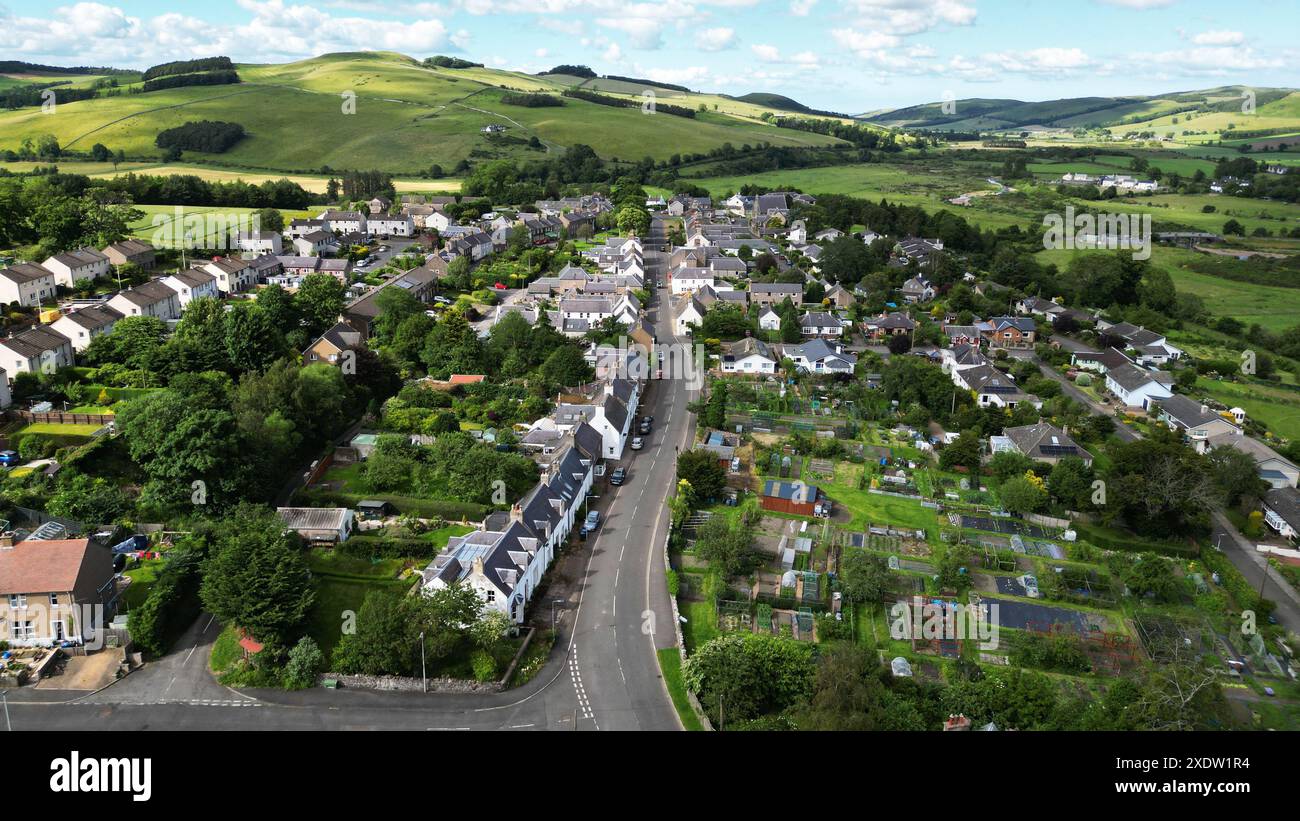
x=4 y=696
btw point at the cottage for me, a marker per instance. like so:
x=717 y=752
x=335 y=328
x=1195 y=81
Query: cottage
x=774 y=293
x=1196 y=421
x=1009 y=332
x=26 y=284
x=750 y=356
x=1137 y=387
x=1042 y=442
x=821 y=324
x=332 y=345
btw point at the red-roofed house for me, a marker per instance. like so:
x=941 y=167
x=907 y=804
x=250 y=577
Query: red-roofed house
x=46 y=588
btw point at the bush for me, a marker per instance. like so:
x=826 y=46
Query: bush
x=484 y=666
x=172 y=604
x=306 y=662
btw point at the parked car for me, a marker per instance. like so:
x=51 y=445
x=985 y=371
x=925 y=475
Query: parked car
x=9 y=458
x=617 y=477
x=592 y=522
x=645 y=427
x=637 y=443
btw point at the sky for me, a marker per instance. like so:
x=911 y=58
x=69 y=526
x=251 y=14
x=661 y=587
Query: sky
x=850 y=56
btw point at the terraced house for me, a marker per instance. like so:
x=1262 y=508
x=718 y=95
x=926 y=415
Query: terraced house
x=26 y=284
x=35 y=350
x=71 y=267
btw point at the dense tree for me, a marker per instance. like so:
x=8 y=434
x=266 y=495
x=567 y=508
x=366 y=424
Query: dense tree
x=701 y=470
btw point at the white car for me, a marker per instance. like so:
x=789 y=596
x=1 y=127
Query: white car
x=636 y=443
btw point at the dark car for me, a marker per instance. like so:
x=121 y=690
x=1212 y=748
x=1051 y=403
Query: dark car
x=9 y=458
x=617 y=477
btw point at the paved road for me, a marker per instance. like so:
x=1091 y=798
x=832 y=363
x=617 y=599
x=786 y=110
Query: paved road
x=1241 y=552
x=625 y=614
x=1124 y=432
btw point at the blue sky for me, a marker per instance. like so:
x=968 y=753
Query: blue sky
x=845 y=55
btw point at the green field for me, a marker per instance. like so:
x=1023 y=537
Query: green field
x=1278 y=409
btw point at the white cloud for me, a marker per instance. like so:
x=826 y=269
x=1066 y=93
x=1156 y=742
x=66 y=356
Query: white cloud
x=766 y=53
x=802 y=8
x=905 y=17
x=1219 y=38
x=1211 y=60
x=715 y=39
x=1139 y=4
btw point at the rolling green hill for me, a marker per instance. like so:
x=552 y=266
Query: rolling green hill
x=1117 y=113
x=407 y=118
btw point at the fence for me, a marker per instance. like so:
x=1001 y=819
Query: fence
x=62 y=418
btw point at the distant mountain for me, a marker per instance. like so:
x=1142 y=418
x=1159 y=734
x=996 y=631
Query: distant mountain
x=979 y=114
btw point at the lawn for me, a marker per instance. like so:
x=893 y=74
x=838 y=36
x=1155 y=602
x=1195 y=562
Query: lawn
x=1278 y=409
x=670 y=664
x=701 y=623
x=336 y=598
x=58 y=429
x=142 y=579
x=100 y=409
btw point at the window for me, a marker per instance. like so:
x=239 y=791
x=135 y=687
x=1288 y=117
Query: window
x=21 y=630
x=17 y=600
x=54 y=600
x=491 y=595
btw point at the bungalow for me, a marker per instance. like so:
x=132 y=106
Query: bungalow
x=151 y=298
x=1042 y=442
x=131 y=252
x=774 y=293
x=1099 y=361
x=888 y=324
x=769 y=320
x=1281 y=507
x=748 y=355
x=840 y=297
x=319 y=524
x=331 y=346
x=828 y=235
x=1037 y=306
x=963 y=335
x=35 y=350
x=818 y=323
x=1196 y=421
x=819 y=356
x=84 y=324
x=993 y=388
x=1136 y=387
x=71 y=267
x=50 y=589
x=1011 y=332
x=1150 y=348
x=1273 y=467
x=26 y=284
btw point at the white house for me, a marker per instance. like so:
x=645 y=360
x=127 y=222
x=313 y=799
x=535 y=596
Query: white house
x=1273 y=467
x=192 y=284
x=749 y=355
x=27 y=284
x=820 y=323
x=35 y=350
x=314 y=243
x=690 y=280
x=70 y=267
x=344 y=222
x=84 y=324
x=769 y=320
x=390 y=226
x=233 y=275
x=1136 y=387
x=686 y=313
x=261 y=242
x=151 y=298
x=819 y=356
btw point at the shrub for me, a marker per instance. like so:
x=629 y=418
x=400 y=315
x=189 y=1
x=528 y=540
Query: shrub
x=484 y=666
x=306 y=661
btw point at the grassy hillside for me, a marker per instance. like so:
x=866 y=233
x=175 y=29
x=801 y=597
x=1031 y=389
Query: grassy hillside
x=1275 y=108
x=408 y=117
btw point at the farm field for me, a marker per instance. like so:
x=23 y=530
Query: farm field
x=314 y=183
x=164 y=218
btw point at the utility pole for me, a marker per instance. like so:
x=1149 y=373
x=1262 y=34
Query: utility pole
x=4 y=696
x=424 y=675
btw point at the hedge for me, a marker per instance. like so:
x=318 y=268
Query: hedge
x=406 y=505
x=172 y=605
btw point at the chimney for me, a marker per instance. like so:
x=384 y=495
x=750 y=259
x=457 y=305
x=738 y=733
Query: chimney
x=1205 y=409
x=478 y=565
x=1065 y=431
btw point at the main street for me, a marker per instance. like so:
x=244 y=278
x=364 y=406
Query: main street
x=603 y=674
